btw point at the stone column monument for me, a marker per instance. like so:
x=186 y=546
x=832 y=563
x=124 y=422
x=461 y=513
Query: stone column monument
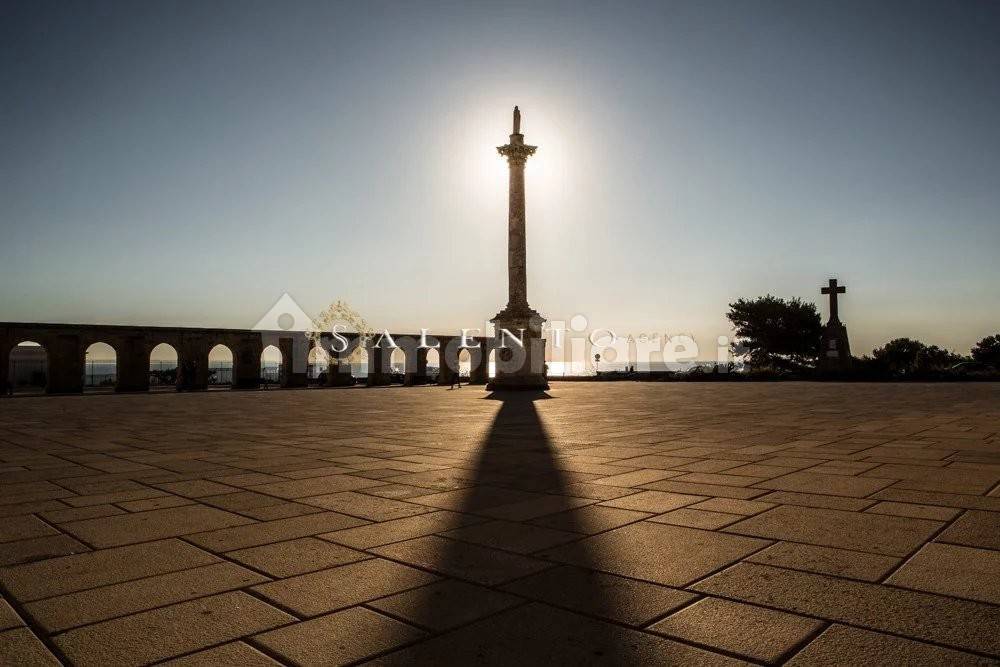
x=520 y=350
x=835 y=349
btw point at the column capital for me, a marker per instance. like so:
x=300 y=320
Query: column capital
x=516 y=152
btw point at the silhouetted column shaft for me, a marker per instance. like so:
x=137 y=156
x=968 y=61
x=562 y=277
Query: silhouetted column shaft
x=517 y=272
x=525 y=370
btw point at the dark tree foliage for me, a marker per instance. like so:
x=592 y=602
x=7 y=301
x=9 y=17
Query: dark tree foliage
x=988 y=350
x=780 y=333
x=933 y=358
x=899 y=355
x=905 y=356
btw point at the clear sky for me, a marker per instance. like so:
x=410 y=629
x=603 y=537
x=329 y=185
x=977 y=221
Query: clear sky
x=186 y=163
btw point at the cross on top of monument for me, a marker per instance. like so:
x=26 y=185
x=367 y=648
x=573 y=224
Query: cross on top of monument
x=833 y=289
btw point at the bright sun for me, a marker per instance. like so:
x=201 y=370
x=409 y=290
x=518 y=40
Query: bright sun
x=545 y=172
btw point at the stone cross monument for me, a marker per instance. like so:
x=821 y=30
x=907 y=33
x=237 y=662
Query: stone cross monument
x=520 y=357
x=835 y=349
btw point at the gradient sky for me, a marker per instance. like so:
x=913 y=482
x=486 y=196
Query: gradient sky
x=185 y=163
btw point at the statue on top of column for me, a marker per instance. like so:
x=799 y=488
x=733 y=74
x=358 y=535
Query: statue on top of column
x=517 y=121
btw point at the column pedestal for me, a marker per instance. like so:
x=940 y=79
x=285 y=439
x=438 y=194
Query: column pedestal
x=519 y=368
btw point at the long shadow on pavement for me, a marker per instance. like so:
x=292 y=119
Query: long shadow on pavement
x=506 y=605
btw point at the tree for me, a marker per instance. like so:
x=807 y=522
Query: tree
x=776 y=332
x=899 y=356
x=988 y=350
x=933 y=358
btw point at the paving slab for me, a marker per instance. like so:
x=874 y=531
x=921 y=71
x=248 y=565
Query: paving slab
x=669 y=555
x=835 y=485
x=974 y=529
x=39 y=548
x=469 y=562
x=266 y=532
x=338 y=639
x=874 y=533
x=619 y=599
x=292 y=557
x=687 y=516
x=961 y=624
x=511 y=536
x=170 y=631
x=400 y=530
x=653 y=501
x=340 y=587
x=445 y=604
x=113 y=531
x=590 y=519
x=20 y=647
x=952 y=570
x=827 y=560
x=550 y=636
x=236 y=654
x=24 y=527
x=8 y=617
x=755 y=633
x=842 y=645
x=97 y=604
x=56 y=576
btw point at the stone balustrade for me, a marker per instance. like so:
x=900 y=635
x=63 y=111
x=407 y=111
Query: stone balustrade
x=66 y=346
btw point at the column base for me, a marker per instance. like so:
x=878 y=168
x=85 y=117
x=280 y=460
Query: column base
x=518 y=383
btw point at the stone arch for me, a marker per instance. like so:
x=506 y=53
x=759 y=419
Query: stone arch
x=221 y=362
x=317 y=363
x=359 y=361
x=163 y=360
x=464 y=363
x=492 y=361
x=100 y=366
x=270 y=365
x=402 y=361
x=433 y=364
x=28 y=367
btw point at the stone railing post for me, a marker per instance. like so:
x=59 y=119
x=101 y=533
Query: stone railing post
x=132 y=363
x=448 y=359
x=378 y=358
x=479 y=358
x=192 y=365
x=419 y=373
x=66 y=364
x=338 y=364
x=294 y=360
x=246 y=369
x=5 y=348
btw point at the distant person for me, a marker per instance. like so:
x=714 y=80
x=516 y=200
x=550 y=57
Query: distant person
x=456 y=379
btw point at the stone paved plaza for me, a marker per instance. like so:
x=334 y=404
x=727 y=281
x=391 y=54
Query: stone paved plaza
x=616 y=523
